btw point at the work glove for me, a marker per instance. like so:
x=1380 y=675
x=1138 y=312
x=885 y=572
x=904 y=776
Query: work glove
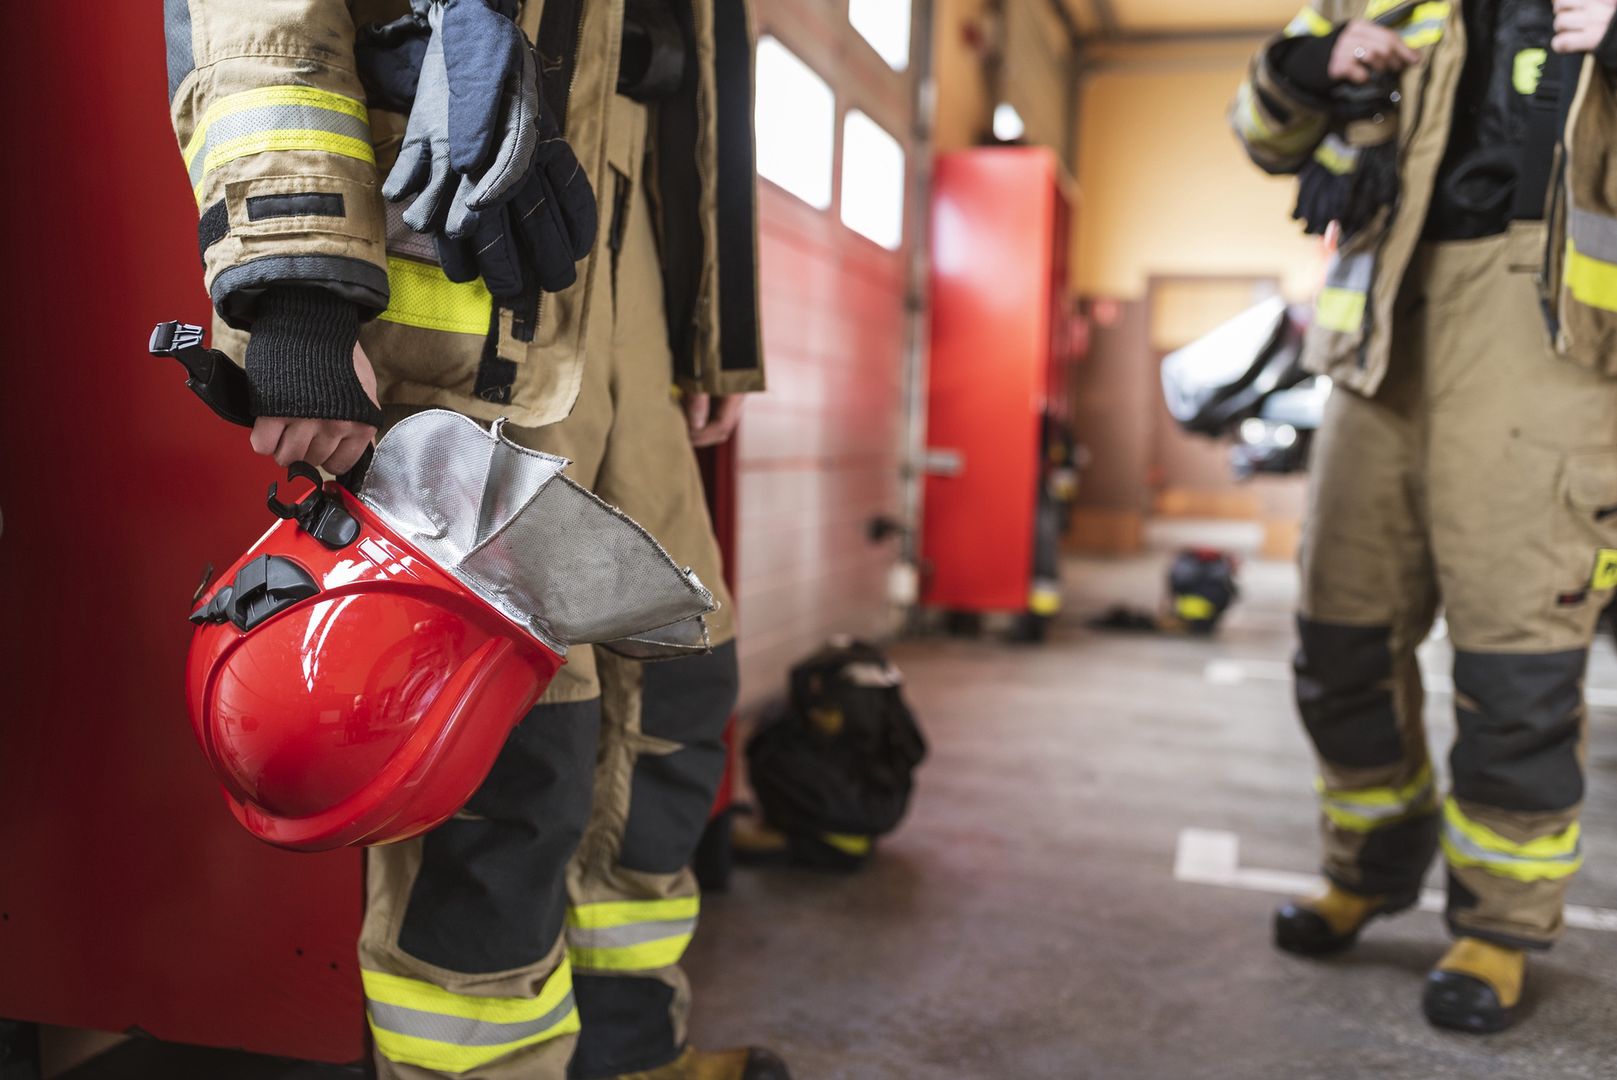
x=535 y=239
x=493 y=149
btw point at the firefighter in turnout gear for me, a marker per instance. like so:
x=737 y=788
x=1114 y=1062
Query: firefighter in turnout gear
x=543 y=212
x=1468 y=462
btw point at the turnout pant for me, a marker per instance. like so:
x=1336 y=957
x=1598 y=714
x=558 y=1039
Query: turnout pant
x=1482 y=477
x=538 y=934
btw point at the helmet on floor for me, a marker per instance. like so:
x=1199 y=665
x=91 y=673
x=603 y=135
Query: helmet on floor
x=354 y=675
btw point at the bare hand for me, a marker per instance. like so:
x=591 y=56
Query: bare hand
x=712 y=420
x=1365 y=49
x=1580 y=25
x=332 y=445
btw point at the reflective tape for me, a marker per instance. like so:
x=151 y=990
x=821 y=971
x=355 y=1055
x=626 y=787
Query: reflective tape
x=277 y=118
x=1341 y=303
x=422 y=296
x=1193 y=608
x=418 y=1023
x=1363 y=810
x=1308 y=23
x=848 y=843
x=1547 y=858
x=631 y=935
x=1424 y=24
x=1335 y=153
x=1526 y=70
x=1591 y=281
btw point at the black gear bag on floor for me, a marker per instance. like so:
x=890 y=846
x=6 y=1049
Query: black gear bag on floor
x=834 y=768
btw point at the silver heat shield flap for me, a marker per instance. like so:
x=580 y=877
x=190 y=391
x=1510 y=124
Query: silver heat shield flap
x=547 y=553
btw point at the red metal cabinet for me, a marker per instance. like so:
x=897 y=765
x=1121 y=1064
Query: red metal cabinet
x=1000 y=233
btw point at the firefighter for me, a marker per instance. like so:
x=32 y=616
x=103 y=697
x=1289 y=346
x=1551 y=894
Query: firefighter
x=1468 y=461
x=568 y=232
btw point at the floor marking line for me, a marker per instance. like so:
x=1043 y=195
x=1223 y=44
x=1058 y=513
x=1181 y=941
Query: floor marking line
x=1235 y=672
x=1213 y=857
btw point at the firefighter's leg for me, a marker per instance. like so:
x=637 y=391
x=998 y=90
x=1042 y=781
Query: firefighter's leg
x=1524 y=482
x=1368 y=598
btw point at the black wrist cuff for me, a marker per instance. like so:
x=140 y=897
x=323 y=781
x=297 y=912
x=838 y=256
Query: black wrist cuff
x=300 y=358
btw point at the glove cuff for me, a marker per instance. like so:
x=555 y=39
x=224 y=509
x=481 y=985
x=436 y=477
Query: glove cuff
x=300 y=358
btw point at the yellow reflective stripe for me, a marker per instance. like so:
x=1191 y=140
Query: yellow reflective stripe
x=1044 y=600
x=1527 y=69
x=1337 y=157
x=1364 y=809
x=1309 y=23
x=612 y=913
x=270 y=141
x=1193 y=607
x=1253 y=129
x=1591 y=281
x=631 y=935
x=848 y=843
x=1424 y=24
x=417 y=1023
x=268 y=97
x=1545 y=858
x=424 y=297
x=1340 y=309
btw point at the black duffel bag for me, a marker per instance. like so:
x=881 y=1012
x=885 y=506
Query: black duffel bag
x=833 y=769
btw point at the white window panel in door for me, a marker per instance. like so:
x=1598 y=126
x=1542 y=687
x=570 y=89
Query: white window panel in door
x=872 y=181
x=886 y=25
x=795 y=113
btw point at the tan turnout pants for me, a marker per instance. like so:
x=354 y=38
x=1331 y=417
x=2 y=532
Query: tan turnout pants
x=1482 y=478
x=544 y=924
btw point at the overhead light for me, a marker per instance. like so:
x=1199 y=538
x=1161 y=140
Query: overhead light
x=1008 y=125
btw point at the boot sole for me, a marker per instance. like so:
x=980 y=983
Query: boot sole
x=1471 y=1023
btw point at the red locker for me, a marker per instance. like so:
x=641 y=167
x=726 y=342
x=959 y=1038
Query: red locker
x=1000 y=234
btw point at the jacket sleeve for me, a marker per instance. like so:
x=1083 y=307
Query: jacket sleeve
x=274 y=132
x=1278 y=122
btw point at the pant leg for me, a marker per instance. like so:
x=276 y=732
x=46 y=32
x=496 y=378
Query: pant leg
x=1523 y=468
x=1368 y=600
x=662 y=756
x=464 y=966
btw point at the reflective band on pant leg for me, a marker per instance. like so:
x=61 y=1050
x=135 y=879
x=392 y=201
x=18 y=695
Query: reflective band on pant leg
x=848 y=843
x=417 y=1023
x=1365 y=809
x=1546 y=858
x=631 y=935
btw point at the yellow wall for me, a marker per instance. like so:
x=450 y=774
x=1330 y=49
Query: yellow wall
x=964 y=110
x=1166 y=188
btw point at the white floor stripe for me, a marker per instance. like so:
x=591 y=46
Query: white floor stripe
x=1213 y=857
x=1235 y=672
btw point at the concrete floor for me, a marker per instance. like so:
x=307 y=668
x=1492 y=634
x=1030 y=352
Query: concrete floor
x=1025 y=922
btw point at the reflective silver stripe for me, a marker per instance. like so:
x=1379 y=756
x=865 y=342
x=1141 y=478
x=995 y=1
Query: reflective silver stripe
x=270 y=118
x=1470 y=848
x=1594 y=234
x=1382 y=811
x=1414 y=31
x=1350 y=271
x=619 y=937
x=461 y=1030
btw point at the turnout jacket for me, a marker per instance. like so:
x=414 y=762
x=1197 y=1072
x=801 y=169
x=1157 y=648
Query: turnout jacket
x=1572 y=252
x=286 y=159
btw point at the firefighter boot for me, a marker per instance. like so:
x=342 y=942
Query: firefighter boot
x=1331 y=921
x=743 y=1063
x=1476 y=987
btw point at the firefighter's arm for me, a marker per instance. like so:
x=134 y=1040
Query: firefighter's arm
x=274 y=133
x=1282 y=109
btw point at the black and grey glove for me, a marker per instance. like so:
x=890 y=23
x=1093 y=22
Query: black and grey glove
x=300 y=358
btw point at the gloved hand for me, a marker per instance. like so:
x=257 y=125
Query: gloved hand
x=447 y=195
x=537 y=237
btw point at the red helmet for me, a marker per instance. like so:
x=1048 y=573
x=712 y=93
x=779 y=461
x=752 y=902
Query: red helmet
x=354 y=675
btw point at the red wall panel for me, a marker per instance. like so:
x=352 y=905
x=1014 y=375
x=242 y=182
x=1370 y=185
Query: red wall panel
x=129 y=897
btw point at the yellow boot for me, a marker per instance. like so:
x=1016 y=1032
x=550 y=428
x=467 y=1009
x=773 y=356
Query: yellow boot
x=742 y=1063
x=1476 y=987
x=1331 y=921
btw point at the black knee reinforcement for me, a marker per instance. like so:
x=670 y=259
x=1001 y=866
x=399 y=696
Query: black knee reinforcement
x=492 y=891
x=1520 y=718
x=687 y=702
x=1345 y=694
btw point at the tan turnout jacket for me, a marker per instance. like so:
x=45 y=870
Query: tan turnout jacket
x=286 y=162
x=1576 y=268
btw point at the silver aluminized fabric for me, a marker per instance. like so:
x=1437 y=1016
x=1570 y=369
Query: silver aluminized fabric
x=547 y=553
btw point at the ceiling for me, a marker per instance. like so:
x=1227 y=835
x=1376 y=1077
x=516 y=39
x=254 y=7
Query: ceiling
x=1179 y=18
